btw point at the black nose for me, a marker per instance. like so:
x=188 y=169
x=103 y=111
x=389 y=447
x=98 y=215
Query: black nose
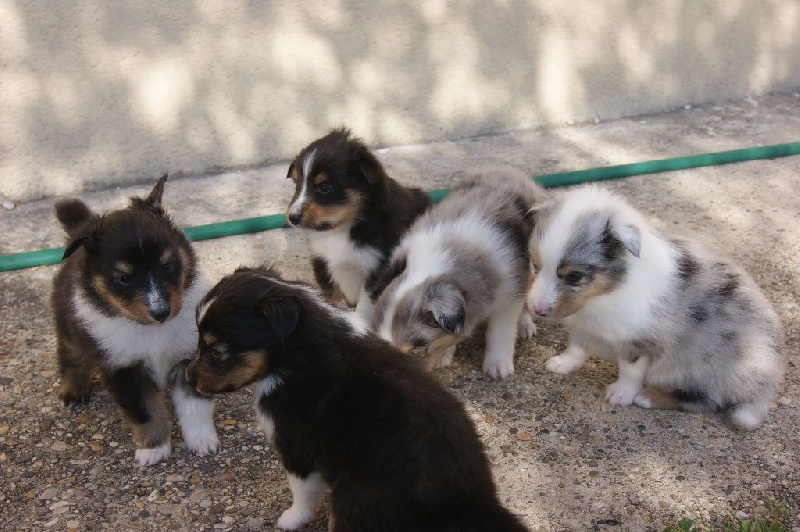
x=160 y=314
x=295 y=217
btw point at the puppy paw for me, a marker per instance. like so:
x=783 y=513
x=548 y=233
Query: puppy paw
x=498 y=368
x=621 y=393
x=147 y=457
x=643 y=400
x=294 y=518
x=446 y=358
x=563 y=364
x=202 y=441
x=749 y=416
x=526 y=329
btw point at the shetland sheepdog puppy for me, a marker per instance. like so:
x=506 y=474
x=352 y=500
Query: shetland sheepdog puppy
x=463 y=263
x=688 y=330
x=345 y=411
x=124 y=303
x=354 y=214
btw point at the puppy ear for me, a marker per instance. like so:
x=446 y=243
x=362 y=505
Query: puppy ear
x=73 y=245
x=282 y=315
x=447 y=305
x=371 y=168
x=290 y=170
x=628 y=235
x=154 y=198
x=72 y=214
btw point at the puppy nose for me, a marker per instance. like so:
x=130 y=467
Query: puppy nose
x=160 y=314
x=541 y=311
x=295 y=217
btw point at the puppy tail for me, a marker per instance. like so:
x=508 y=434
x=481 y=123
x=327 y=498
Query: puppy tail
x=73 y=214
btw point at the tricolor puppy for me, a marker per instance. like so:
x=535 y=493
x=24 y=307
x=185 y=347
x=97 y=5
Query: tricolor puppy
x=345 y=411
x=124 y=303
x=463 y=263
x=355 y=214
x=688 y=330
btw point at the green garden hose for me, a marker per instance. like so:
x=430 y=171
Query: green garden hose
x=18 y=261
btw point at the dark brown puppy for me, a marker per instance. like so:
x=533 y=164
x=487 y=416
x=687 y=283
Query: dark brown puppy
x=124 y=304
x=354 y=212
x=346 y=411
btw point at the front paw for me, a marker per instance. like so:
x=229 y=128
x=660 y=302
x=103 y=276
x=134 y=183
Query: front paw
x=563 y=364
x=622 y=393
x=294 y=518
x=203 y=442
x=151 y=456
x=446 y=357
x=526 y=328
x=498 y=367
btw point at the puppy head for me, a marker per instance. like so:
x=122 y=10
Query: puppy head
x=427 y=319
x=581 y=249
x=241 y=322
x=135 y=262
x=333 y=177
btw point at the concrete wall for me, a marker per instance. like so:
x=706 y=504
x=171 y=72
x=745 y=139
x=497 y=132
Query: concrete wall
x=94 y=93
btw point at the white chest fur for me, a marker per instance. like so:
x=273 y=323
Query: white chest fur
x=349 y=264
x=158 y=346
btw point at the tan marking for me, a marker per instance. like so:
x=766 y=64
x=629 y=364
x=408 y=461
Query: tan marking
x=659 y=398
x=166 y=256
x=320 y=178
x=437 y=347
x=209 y=338
x=251 y=366
x=135 y=310
x=158 y=428
x=124 y=267
x=571 y=302
x=315 y=214
x=536 y=260
x=294 y=175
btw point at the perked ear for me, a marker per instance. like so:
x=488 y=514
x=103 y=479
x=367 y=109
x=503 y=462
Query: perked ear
x=154 y=198
x=290 y=170
x=448 y=306
x=371 y=168
x=282 y=315
x=628 y=235
x=72 y=214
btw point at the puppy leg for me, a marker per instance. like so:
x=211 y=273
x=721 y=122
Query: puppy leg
x=571 y=359
x=629 y=382
x=307 y=495
x=75 y=371
x=365 y=308
x=142 y=402
x=195 y=416
x=325 y=281
x=526 y=328
x=501 y=332
x=654 y=397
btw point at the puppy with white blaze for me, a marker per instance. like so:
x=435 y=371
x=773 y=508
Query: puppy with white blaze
x=463 y=263
x=689 y=331
x=124 y=304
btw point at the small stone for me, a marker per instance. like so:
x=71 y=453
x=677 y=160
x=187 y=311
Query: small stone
x=663 y=505
x=523 y=436
x=49 y=493
x=569 y=448
x=228 y=422
x=59 y=504
x=8 y=205
x=760 y=510
x=174 y=478
x=507 y=396
x=729 y=489
x=489 y=418
x=255 y=523
x=73 y=525
x=227 y=476
x=96 y=447
x=228 y=520
x=205 y=503
x=59 y=446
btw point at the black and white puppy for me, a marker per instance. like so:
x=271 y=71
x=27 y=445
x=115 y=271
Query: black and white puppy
x=123 y=304
x=345 y=411
x=354 y=212
x=689 y=330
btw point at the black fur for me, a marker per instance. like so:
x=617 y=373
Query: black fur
x=398 y=451
x=387 y=208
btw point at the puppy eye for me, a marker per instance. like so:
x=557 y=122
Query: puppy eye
x=574 y=278
x=324 y=188
x=123 y=279
x=218 y=353
x=169 y=267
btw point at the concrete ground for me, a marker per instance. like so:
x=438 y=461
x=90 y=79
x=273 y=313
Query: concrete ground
x=562 y=459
